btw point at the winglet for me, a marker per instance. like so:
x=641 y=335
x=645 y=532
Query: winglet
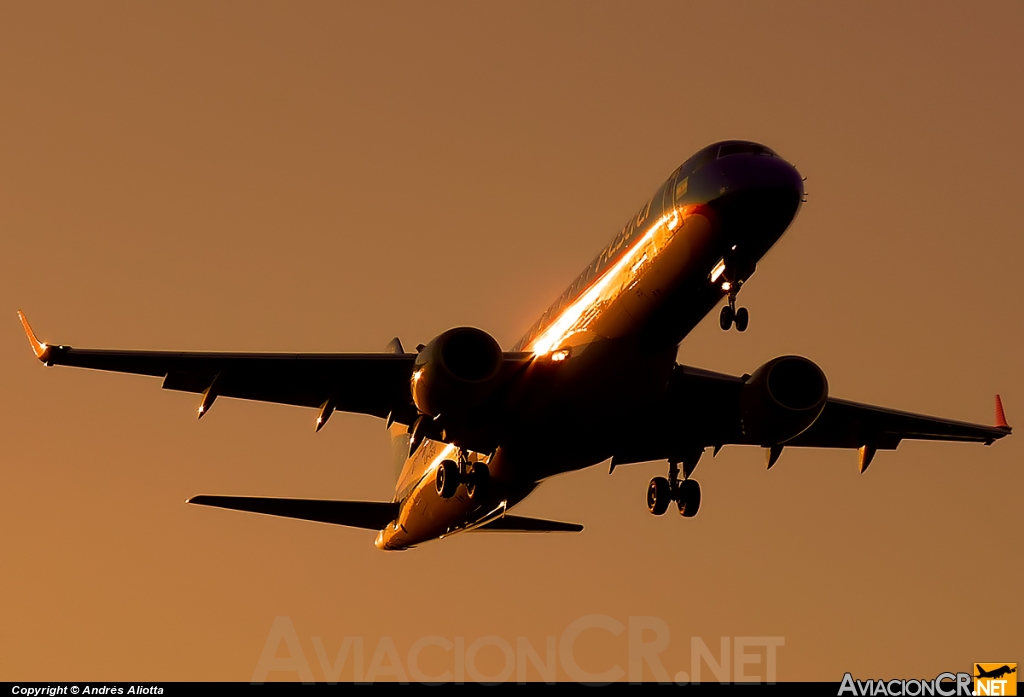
x=41 y=350
x=1000 y=414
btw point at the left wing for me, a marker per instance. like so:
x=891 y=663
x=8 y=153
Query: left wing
x=364 y=383
x=845 y=424
x=701 y=410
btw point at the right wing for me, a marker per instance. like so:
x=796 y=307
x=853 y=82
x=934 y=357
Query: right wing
x=365 y=383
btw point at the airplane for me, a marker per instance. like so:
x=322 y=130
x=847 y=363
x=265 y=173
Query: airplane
x=595 y=379
x=996 y=673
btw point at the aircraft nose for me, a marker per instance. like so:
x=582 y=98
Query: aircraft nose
x=756 y=176
x=756 y=196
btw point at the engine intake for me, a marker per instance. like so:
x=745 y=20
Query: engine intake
x=455 y=372
x=782 y=399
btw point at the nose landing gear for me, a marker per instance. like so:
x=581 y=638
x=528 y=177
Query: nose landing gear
x=737 y=270
x=730 y=314
x=685 y=493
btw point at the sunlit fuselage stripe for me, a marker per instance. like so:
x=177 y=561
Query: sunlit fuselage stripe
x=618 y=277
x=629 y=239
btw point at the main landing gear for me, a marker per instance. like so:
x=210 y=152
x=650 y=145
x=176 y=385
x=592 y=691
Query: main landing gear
x=730 y=314
x=451 y=473
x=685 y=493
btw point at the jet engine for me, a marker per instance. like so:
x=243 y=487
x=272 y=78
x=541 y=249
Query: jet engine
x=455 y=372
x=782 y=399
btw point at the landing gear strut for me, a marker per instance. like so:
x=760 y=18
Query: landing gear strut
x=451 y=473
x=685 y=493
x=730 y=314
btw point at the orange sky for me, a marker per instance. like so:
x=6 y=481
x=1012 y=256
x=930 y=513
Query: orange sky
x=324 y=177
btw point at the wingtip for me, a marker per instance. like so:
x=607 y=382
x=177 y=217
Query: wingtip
x=39 y=348
x=1000 y=414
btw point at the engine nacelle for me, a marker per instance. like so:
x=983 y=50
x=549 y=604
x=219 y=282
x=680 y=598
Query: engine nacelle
x=455 y=372
x=782 y=399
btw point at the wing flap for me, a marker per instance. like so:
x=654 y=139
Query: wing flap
x=371 y=515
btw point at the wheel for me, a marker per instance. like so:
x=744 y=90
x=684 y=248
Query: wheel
x=689 y=498
x=725 y=319
x=479 y=475
x=447 y=479
x=658 y=495
x=742 y=319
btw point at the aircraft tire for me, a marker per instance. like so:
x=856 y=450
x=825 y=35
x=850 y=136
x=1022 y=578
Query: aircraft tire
x=659 y=494
x=447 y=479
x=725 y=319
x=689 y=498
x=742 y=319
x=479 y=476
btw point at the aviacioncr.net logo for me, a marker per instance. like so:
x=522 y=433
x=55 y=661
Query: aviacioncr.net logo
x=944 y=685
x=995 y=679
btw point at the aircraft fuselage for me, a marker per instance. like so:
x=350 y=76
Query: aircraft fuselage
x=610 y=340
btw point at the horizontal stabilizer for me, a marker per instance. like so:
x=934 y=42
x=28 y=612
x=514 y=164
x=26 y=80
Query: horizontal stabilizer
x=516 y=523
x=373 y=515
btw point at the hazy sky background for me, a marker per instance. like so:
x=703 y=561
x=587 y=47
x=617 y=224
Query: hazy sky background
x=325 y=176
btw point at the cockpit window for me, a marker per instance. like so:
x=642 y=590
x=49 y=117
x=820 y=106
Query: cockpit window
x=719 y=150
x=743 y=149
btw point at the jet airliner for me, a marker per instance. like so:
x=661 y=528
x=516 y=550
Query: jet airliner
x=594 y=380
